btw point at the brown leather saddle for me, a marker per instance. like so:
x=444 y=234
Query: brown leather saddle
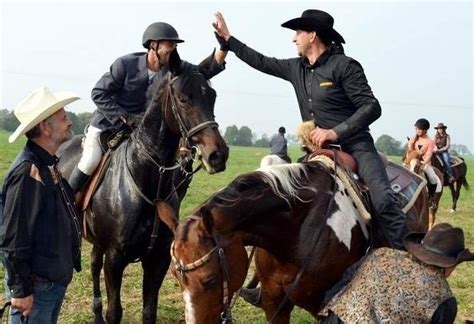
x=406 y=184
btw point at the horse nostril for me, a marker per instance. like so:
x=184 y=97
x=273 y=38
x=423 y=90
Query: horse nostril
x=217 y=159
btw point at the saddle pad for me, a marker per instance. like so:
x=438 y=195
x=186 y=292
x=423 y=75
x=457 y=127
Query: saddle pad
x=406 y=184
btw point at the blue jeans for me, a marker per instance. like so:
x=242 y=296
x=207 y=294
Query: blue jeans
x=47 y=300
x=446 y=165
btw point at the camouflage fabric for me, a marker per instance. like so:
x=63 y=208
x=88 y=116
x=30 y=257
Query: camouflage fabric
x=391 y=286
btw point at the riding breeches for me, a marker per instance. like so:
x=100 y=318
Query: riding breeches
x=432 y=177
x=91 y=151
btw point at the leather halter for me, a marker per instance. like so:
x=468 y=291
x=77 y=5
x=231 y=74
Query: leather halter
x=181 y=269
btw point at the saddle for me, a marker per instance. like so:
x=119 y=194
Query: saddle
x=109 y=141
x=406 y=184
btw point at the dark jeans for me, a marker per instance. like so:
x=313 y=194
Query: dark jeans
x=446 y=164
x=47 y=300
x=388 y=214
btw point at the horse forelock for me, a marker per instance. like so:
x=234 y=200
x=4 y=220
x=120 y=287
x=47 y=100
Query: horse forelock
x=287 y=180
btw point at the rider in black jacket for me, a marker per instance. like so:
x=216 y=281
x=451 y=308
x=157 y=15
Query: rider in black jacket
x=332 y=90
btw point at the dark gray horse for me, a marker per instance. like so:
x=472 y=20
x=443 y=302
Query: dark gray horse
x=121 y=217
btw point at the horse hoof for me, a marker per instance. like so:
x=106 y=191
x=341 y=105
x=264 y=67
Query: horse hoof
x=452 y=211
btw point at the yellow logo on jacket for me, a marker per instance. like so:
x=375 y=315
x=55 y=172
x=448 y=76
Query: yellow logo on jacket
x=326 y=84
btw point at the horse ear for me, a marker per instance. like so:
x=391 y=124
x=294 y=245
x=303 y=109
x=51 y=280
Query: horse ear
x=166 y=214
x=207 y=221
x=174 y=62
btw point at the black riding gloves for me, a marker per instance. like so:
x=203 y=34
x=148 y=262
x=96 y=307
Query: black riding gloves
x=222 y=42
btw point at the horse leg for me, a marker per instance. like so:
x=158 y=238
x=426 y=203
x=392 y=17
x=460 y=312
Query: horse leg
x=276 y=313
x=453 y=187
x=154 y=267
x=458 y=186
x=97 y=261
x=114 y=266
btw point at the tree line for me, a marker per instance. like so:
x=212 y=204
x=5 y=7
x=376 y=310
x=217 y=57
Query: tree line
x=233 y=135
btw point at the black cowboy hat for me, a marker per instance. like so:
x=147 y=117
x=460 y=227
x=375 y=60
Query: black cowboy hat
x=441 y=125
x=442 y=246
x=315 y=20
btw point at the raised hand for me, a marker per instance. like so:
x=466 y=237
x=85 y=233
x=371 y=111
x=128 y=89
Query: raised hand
x=220 y=26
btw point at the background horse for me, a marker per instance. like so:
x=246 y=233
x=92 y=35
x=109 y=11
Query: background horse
x=459 y=174
x=305 y=226
x=411 y=159
x=271 y=159
x=120 y=221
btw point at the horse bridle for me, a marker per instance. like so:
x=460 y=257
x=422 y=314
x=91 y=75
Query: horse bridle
x=181 y=269
x=185 y=132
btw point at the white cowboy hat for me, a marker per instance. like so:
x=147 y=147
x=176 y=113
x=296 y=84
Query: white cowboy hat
x=36 y=107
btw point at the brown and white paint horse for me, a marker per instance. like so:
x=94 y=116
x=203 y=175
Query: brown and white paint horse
x=298 y=215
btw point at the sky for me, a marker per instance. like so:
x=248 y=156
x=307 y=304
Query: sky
x=417 y=56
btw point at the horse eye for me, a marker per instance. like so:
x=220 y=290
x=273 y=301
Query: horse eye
x=209 y=282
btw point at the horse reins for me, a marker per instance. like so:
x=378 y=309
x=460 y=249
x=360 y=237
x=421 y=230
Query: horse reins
x=181 y=269
x=186 y=134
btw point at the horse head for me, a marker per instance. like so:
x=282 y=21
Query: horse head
x=187 y=103
x=412 y=159
x=201 y=259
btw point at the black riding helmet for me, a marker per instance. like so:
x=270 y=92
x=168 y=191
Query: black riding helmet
x=422 y=124
x=160 y=31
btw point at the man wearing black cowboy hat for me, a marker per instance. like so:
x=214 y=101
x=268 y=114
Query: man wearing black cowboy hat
x=404 y=287
x=332 y=90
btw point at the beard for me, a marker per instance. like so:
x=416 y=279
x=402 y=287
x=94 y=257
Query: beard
x=67 y=135
x=61 y=138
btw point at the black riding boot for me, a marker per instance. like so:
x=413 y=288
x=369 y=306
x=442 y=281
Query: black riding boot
x=77 y=180
x=431 y=195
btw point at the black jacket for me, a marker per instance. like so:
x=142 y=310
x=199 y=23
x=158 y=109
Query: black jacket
x=38 y=235
x=333 y=92
x=123 y=90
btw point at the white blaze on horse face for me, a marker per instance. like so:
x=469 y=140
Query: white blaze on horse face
x=346 y=217
x=188 y=307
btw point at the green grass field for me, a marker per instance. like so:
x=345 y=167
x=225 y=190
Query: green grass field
x=77 y=306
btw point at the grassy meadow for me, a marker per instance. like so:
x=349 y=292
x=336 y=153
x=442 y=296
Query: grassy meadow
x=77 y=306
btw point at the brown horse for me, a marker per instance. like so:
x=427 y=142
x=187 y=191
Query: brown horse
x=459 y=174
x=306 y=228
x=412 y=160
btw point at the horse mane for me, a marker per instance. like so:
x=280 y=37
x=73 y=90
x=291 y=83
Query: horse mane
x=285 y=181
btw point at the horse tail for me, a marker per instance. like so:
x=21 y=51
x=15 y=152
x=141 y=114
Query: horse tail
x=465 y=184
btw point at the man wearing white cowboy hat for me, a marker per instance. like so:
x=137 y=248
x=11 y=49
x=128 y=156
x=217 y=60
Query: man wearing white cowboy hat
x=404 y=287
x=332 y=90
x=39 y=228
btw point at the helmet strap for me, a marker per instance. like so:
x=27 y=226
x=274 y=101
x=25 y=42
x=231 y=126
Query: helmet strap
x=160 y=61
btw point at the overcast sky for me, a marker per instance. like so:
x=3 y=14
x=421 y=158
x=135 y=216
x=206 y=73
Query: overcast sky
x=418 y=57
